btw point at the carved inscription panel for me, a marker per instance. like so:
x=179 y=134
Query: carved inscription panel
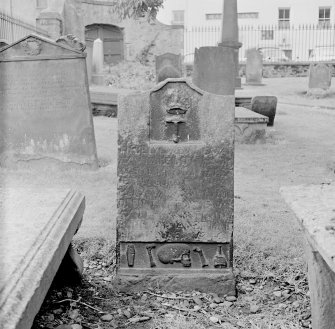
x=172 y=191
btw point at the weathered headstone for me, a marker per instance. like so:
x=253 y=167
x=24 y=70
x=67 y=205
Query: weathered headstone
x=98 y=63
x=254 y=67
x=176 y=189
x=45 y=113
x=320 y=76
x=214 y=70
x=3 y=43
x=168 y=65
x=265 y=105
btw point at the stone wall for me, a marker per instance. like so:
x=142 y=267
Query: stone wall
x=276 y=70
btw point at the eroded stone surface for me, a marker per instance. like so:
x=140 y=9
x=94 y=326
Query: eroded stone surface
x=44 y=104
x=36 y=230
x=168 y=65
x=175 y=188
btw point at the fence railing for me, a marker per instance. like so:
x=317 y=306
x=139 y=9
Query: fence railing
x=277 y=43
x=12 y=29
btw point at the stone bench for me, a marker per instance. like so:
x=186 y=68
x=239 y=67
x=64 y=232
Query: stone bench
x=250 y=127
x=37 y=226
x=314 y=207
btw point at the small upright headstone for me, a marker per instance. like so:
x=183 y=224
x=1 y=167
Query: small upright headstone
x=214 y=70
x=176 y=189
x=168 y=65
x=3 y=43
x=45 y=113
x=320 y=76
x=98 y=63
x=254 y=67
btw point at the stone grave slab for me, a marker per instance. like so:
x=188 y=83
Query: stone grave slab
x=168 y=65
x=37 y=226
x=45 y=114
x=250 y=127
x=320 y=76
x=214 y=70
x=265 y=105
x=314 y=207
x=176 y=189
x=254 y=67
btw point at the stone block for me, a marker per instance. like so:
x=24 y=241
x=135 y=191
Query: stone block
x=250 y=127
x=168 y=65
x=314 y=209
x=175 y=186
x=36 y=230
x=98 y=63
x=45 y=108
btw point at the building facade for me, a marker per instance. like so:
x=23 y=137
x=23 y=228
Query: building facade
x=283 y=30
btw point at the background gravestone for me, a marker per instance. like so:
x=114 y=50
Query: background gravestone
x=214 y=70
x=254 y=67
x=176 y=189
x=45 y=110
x=320 y=76
x=168 y=65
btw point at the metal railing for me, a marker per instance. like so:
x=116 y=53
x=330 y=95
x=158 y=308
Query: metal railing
x=283 y=43
x=12 y=29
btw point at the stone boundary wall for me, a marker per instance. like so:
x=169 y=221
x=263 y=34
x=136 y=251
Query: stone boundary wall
x=276 y=70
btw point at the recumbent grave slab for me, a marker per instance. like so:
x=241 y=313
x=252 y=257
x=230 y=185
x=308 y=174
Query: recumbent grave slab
x=37 y=226
x=176 y=189
x=45 y=113
x=168 y=65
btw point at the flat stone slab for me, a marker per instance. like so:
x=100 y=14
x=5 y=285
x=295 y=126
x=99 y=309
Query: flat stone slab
x=106 y=95
x=243 y=115
x=36 y=229
x=314 y=207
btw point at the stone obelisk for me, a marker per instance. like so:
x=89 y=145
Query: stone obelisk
x=229 y=33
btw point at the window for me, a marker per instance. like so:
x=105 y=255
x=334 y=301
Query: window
x=213 y=16
x=324 y=17
x=177 y=17
x=284 y=18
x=267 y=35
x=41 y=4
x=248 y=15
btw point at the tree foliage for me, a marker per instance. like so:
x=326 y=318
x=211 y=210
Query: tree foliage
x=137 y=8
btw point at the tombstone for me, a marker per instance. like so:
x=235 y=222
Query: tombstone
x=45 y=114
x=3 y=43
x=98 y=63
x=214 y=70
x=265 y=105
x=254 y=67
x=320 y=76
x=168 y=65
x=176 y=189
